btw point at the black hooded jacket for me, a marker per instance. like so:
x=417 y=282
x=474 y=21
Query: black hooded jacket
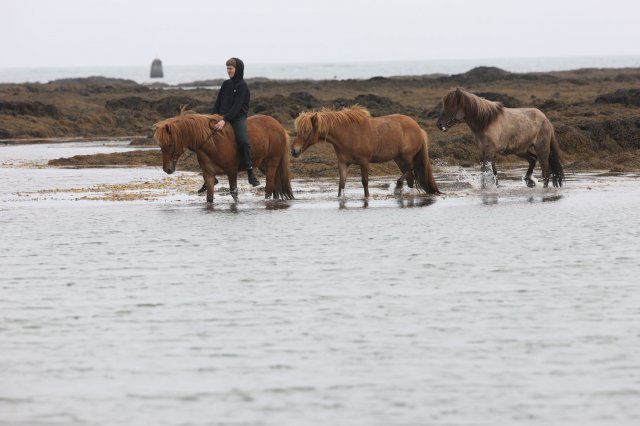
x=233 y=98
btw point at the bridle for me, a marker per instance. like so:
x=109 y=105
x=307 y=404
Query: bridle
x=452 y=120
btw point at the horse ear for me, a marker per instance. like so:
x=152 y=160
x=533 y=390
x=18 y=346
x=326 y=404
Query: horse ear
x=314 y=120
x=167 y=128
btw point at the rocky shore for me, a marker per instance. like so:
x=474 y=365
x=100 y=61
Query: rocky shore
x=596 y=112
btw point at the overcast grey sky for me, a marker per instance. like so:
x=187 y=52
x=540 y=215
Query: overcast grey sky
x=47 y=33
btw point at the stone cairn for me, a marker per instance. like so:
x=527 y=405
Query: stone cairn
x=156 y=69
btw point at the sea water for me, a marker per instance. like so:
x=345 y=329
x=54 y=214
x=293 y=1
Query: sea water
x=174 y=74
x=475 y=307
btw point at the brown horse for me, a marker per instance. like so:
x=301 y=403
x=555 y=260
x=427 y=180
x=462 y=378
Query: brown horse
x=358 y=138
x=217 y=152
x=525 y=132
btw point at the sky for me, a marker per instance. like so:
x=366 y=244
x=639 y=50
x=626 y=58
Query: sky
x=75 y=33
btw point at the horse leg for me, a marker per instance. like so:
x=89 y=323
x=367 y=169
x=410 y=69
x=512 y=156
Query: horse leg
x=404 y=168
x=495 y=172
x=233 y=184
x=531 y=158
x=270 y=174
x=546 y=171
x=342 y=168
x=409 y=178
x=364 y=172
x=209 y=181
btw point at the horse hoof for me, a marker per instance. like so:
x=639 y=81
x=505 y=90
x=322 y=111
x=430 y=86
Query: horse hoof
x=530 y=183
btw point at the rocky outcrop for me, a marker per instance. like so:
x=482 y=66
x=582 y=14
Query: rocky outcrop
x=626 y=97
x=35 y=108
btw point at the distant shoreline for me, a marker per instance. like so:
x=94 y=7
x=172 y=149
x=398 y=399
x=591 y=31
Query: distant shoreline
x=180 y=74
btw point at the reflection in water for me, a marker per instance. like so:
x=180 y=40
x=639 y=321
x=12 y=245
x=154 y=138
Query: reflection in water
x=277 y=204
x=493 y=198
x=343 y=203
x=545 y=198
x=224 y=208
x=415 y=201
x=489 y=198
x=551 y=198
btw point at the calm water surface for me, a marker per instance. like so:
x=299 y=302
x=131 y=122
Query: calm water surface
x=508 y=306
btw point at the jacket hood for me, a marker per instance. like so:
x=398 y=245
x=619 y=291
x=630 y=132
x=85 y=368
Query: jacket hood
x=239 y=75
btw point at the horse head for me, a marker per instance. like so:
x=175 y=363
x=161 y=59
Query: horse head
x=452 y=110
x=307 y=133
x=165 y=136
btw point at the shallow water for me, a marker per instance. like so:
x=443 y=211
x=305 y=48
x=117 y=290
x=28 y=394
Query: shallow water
x=478 y=307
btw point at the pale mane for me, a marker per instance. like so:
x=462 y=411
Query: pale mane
x=330 y=118
x=184 y=128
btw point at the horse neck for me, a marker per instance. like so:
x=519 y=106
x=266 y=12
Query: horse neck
x=336 y=136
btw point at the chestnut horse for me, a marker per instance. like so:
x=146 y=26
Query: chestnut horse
x=217 y=152
x=525 y=132
x=358 y=138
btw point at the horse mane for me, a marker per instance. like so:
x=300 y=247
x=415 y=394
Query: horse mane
x=328 y=118
x=186 y=127
x=478 y=112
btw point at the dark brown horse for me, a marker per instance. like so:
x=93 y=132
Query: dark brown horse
x=217 y=152
x=358 y=138
x=525 y=132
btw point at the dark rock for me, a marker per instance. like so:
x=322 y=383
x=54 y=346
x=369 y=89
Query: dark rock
x=171 y=105
x=168 y=107
x=95 y=80
x=135 y=103
x=481 y=75
x=34 y=108
x=552 y=105
x=284 y=108
x=377 y=105
x=626 y=97
x=612 y=134
x=307 y=99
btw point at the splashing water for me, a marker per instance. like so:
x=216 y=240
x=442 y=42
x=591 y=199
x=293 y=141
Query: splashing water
x=488 y=180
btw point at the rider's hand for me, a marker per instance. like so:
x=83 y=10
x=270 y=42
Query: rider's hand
x=219 y=125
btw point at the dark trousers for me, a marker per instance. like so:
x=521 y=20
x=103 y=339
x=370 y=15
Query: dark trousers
x=242 y=140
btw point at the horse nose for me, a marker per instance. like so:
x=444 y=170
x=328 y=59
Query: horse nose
x=295 y=153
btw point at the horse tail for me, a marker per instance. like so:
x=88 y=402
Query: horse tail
x=282 y=185
x=554 y=161
x=422 y=168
